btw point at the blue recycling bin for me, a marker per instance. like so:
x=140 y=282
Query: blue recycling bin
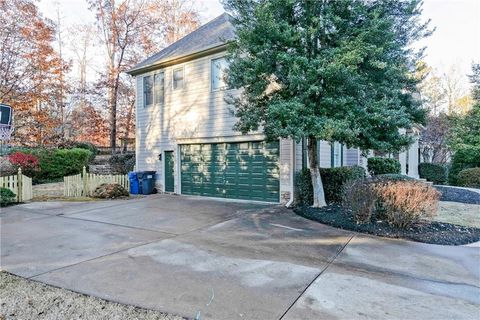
x=135 y=187
x=147 y=181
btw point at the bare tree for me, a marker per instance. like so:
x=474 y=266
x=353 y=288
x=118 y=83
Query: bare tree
x=130 y=30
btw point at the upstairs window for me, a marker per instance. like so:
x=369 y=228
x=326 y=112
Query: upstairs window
x=160 y=88
x=147 y=91
x=219 y=71
x=177 y=78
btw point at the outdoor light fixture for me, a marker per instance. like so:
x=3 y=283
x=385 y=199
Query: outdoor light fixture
x=160 y=157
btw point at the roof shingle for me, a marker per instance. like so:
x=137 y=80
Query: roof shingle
x=212 y=34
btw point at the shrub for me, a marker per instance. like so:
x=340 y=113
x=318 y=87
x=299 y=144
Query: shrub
x=359 y=197
x=122 y=163
x=27 y=162
x=379 y=165
x=110 y=191
x=435 y=172
x=57 y=163
x=80 y=145
x=464 y=158
x=7 y=197
x=469 y=178
x=334 y=179
x=303 y=188
x=406 y=202
x=392 y=177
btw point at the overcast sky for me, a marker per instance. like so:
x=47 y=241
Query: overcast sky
x=455 y=42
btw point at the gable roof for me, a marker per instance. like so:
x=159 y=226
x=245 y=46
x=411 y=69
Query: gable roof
x=215 y=33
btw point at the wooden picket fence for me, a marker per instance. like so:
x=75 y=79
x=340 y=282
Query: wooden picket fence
x=20 y=184
x=84 y=184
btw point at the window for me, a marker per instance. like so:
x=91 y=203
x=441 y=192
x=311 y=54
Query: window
x=147 y=91
x=219 y=70
x=177 y=78
x=159 y=88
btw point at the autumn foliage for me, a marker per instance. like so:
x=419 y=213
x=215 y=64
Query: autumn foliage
x=53 y=92
x=27 y=162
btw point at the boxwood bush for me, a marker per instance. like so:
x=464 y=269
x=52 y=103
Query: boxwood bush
x=379 y=165
x=334 y=179
x=464 y=158
x=81 y=145
x=7 y=197
x=469 y=178
x=435 y=172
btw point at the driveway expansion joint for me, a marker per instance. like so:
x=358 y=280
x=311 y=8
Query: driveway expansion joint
x=329 y=263
x=94 y=258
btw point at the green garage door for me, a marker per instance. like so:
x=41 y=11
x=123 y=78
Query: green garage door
x=246 y=170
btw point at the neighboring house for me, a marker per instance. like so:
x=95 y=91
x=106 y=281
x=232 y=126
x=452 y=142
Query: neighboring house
x=184 y=127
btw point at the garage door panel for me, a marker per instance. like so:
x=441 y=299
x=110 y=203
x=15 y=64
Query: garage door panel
x=247 y=170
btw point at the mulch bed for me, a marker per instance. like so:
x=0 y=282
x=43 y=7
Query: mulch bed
x=458 y=195
x=434 y=232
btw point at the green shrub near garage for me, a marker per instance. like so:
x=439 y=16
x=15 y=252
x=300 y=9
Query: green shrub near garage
x=469 y=178
x=435 y=172
x=464 y=158
x=57 y=163
x=334 y=179
x=379 y=165
x=7 y=197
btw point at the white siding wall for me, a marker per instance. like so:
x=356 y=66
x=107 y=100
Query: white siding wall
x=351 y=157
x=192 y=114
x=325 y=158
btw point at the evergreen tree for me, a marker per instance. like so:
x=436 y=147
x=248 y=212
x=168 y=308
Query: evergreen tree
x=466 y=128
x=335 y=70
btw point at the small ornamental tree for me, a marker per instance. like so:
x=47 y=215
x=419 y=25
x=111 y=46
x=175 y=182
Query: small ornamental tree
x=334 y=70
x=27 y=162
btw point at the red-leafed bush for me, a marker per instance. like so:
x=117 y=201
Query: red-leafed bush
x=27 y=162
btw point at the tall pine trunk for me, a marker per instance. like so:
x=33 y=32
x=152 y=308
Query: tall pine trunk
x=318 y=192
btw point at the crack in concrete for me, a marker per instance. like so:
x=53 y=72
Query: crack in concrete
x=317 y=276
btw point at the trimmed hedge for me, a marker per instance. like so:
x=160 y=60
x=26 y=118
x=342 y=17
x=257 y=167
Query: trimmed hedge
x=464 y=158
x=379 y=165
x=7 y=197
x=81 y=145
x=435 y=172
x=469 y=178
x=57 y=163
x=334 y=179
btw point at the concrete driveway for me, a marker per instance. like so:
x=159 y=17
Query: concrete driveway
x=210 y=259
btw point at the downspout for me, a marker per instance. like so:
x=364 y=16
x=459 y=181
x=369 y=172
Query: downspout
x=292 y=176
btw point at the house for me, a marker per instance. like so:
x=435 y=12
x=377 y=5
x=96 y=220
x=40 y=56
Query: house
x=184 y=127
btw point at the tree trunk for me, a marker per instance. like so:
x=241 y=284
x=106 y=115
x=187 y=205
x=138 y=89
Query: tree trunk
x=318 y=192
x=113 y=119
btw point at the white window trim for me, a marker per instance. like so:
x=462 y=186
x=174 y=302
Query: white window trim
x=183 y=82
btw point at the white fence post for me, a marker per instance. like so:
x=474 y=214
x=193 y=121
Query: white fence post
x=19 y=185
